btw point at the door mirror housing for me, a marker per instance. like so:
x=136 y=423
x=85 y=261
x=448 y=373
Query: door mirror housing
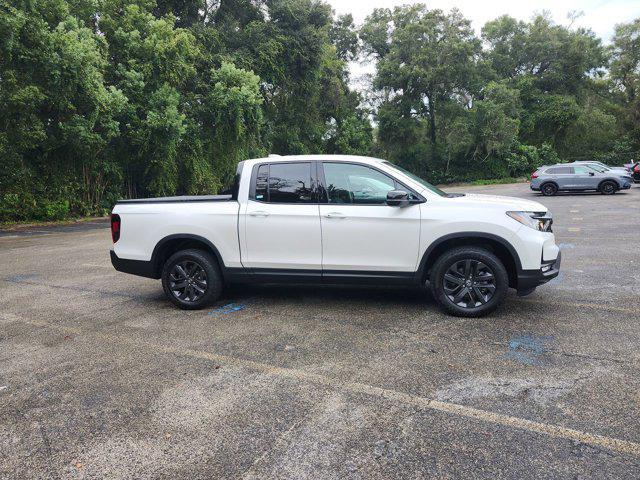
x=398 y=198
x=591 y=174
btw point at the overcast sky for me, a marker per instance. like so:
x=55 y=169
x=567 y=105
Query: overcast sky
x=599 y=15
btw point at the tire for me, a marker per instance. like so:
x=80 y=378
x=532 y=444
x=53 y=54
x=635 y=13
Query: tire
x=461 y=263
x=608 y=187
x=549 y=189
x=202 y=284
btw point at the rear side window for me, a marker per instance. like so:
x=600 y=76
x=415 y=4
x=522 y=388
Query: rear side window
x=262 y=192
x=284 y=183
x=559 y=171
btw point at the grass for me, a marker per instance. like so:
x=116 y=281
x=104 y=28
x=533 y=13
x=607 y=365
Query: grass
x=491 y=181
x=31 y=223
x=499 y=181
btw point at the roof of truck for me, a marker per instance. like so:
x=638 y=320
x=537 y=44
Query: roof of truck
x=334 y=158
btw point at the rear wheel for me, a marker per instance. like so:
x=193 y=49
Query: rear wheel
x=549 y=189
x=191 y=279
x=608 y=187
x=469 y=281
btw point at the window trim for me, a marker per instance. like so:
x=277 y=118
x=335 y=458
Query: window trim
x=318 y=182
x=254 y=178
x=322 y=189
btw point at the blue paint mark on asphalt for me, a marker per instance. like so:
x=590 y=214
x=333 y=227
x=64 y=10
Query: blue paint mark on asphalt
x=566 y=246
x=527 y=349
x=228 y=308
x=21 y=278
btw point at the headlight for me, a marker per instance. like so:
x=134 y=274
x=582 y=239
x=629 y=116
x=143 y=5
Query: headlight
x=537 y=220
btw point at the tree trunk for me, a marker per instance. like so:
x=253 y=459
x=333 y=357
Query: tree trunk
x=432 y=129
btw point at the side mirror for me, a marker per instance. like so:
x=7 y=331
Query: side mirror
x=398 y=198
x=591 y=174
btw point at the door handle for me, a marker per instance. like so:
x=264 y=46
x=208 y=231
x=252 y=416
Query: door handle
x=259 y=213
x=334 y=215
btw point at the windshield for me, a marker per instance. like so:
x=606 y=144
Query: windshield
x=416 y=178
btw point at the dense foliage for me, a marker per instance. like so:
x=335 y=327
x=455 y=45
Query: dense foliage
x=102 y=99
x=451 y=105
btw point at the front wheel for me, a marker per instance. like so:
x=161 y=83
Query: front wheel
x=191 y=279
x=608 y=188
x=469 y=281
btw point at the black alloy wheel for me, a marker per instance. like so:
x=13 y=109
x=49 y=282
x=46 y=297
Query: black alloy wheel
x=608 y=188
x=191 y=279
x=469 y=283
x=188 y=281
x=549 y=189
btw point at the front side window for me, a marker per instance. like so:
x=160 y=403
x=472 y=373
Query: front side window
x=284 y=183
x=582 y=170
x=356 y=184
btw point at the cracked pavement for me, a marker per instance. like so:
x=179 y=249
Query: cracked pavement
x=100 y=377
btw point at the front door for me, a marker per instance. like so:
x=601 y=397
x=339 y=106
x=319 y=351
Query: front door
x=282 y=222
x=584 y=177
x=360 y=232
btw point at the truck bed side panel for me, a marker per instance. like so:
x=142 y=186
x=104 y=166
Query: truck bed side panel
x=146 y=224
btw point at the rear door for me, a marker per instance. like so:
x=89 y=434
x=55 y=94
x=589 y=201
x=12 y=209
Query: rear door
x=282 y=221
x=360 y=232
x=564 y=177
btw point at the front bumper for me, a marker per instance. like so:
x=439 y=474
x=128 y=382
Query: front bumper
x=528 y=280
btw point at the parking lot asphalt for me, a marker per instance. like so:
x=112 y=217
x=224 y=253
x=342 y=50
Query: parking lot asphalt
x=100 y=377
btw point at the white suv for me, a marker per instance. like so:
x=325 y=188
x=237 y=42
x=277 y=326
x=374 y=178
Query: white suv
x=337 y=219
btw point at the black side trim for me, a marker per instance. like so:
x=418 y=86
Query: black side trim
x=467 y=235
x=155 y=256
x=368 y=277
x=134 y=267
x=285 y=275
x=332 y=277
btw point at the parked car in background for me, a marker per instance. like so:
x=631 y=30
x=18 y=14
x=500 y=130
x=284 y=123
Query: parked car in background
x=634 y=169
x=551 y=179
x=602 y=168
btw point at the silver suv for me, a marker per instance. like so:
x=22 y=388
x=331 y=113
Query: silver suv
x=550 y=179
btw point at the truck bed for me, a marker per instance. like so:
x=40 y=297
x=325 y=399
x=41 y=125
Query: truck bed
x=179 y=199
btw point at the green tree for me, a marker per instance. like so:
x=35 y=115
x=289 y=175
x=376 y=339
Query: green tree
x=426 y=61
x=625 y=74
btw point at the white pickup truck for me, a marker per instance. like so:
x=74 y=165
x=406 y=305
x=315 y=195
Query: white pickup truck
x=336 y=219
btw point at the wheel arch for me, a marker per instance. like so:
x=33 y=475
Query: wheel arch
x=494 y=243
x=609 y=179
x=182 y=241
